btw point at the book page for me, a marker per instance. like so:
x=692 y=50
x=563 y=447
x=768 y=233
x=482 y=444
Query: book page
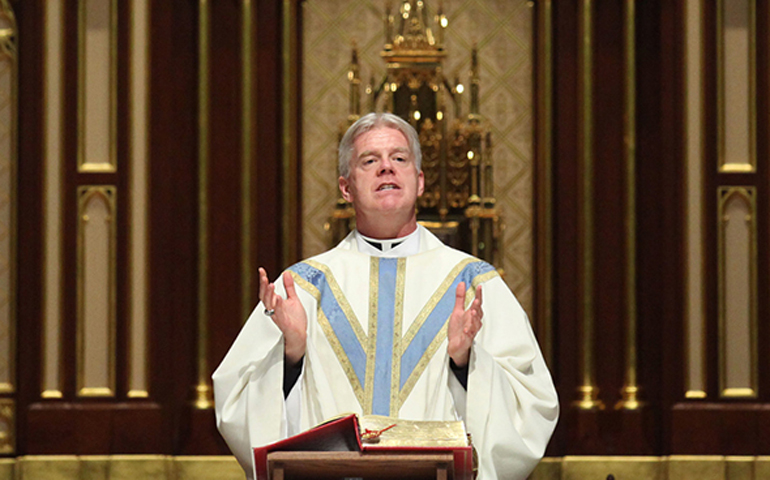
x=414 y=433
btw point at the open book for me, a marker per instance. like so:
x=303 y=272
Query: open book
x=374 y=433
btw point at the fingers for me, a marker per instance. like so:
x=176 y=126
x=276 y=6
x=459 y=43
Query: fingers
x=288 y=284
x=460 y=297
x=263 y=283
x=475 y=313
x=270 y=300
x=473 y=319
x=267 y=293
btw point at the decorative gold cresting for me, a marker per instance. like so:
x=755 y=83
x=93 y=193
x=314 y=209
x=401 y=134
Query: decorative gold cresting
x=630 y=391
x=458 y=202
x=203 y=392
x=588 y=392
x=747 y=195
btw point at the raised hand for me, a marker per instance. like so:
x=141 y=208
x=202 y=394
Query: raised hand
x=288 y=314
x=463 y=325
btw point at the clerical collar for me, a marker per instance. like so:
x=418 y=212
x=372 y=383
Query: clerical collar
x=383 y=246
x=392 y=247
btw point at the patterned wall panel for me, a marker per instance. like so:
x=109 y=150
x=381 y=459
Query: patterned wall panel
x=502 y=29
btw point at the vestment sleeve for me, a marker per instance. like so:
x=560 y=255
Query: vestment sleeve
x=248 y=388
x=512 y=406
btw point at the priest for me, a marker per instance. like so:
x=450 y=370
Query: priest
x=389 y=322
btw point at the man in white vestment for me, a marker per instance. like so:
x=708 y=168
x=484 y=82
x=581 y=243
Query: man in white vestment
x=389 y=322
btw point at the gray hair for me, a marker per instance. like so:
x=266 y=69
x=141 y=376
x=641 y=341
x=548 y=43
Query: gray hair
x=369 y=122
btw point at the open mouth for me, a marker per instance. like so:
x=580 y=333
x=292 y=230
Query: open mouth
x=387 y=186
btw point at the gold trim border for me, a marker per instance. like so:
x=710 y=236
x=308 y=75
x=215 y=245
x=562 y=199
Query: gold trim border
x=339 y=295
x=85 y=194
x=749 y=195
x=51 y=9
x=143 y=216
x=674 y=467
x=111 y=165
x=371 y=343
x=329 y=331
x=166 y=467
x=588 y=392
x=690 y=392
x=398 y=326
x=723 y=167
x=203 y=391
x=630 y=391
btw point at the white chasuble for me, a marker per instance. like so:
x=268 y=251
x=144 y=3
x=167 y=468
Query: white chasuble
x=377 y=344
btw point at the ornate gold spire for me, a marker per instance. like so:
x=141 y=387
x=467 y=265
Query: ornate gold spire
x=413 y=41
x=458 y=201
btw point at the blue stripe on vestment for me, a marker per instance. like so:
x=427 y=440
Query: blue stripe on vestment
x=437 y=318
x=386 y=295
x=383 y=363
x=337 y=319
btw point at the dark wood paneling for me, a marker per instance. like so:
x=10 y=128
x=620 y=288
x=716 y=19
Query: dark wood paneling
x=225 y=232
x=84 y=428
x=659 y=211
x=29 y=15
x=167 y=422
x=609 y=199
x=82 y=425
x=267 y=139
x=763 y=197
x=724 y=426
x=223 y=218
x=658 y=225
x=173 y=210
x=727 y=428
x=565 y=215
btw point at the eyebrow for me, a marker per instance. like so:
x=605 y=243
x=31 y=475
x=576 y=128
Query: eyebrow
x=374 y=152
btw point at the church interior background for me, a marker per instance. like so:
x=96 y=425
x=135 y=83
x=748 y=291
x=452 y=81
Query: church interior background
x=153 y=153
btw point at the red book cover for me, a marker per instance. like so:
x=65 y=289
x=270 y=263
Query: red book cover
x=338 y=435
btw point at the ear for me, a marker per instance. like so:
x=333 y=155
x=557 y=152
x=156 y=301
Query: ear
x=420 y=183
x=345 y=189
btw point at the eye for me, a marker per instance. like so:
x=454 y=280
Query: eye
x=400 y=159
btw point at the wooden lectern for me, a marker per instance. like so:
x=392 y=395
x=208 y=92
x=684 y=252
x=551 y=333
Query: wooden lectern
x=335 y=450
x=369 y=466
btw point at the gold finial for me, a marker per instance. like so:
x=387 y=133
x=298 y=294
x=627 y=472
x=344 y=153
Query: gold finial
x=474 y=82
x=441 y=24
x=355 y=86
x=388 y=25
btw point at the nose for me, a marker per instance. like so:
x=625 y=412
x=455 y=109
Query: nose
x=386 y=166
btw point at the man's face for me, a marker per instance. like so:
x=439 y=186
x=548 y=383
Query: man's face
x=383 y=177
